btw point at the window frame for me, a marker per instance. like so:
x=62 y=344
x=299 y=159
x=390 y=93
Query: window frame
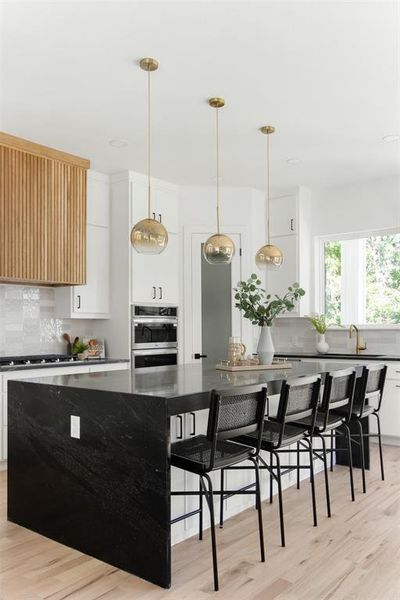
x=319 y=269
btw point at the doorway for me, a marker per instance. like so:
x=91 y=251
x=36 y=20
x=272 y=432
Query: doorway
x=214 y=315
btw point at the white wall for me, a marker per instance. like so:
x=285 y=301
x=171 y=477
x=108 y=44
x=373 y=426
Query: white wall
x=240 y=208
x=365 y=206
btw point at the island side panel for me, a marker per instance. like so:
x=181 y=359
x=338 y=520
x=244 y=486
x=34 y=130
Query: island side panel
x=106 y=494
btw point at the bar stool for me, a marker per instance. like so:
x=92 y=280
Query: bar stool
x=338 y=395
x=367 y=402
x=232 y=414
x=298 y=400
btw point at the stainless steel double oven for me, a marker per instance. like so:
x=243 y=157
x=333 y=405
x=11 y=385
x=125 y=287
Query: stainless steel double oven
x=154 y=336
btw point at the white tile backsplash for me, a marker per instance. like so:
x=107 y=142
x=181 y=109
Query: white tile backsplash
x=296 y=334
x=28 y=322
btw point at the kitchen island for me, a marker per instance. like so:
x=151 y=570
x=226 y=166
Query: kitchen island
x=100 y=482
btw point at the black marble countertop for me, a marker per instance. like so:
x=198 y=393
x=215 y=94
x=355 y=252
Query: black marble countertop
x=339 y=356
x=184 y=385
x=75 y=363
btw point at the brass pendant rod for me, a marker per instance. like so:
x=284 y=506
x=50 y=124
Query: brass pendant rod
x=218 y=216
x=268 y=199
x=148 y=147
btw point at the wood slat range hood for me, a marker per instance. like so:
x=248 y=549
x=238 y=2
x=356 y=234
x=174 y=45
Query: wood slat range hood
x=42 y=214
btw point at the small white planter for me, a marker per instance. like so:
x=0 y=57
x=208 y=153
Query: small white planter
x=265 y=348
x=322 y=345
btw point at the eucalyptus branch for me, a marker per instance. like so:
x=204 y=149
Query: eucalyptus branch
x=257 y=306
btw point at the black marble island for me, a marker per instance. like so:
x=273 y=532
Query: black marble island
x=107 y=492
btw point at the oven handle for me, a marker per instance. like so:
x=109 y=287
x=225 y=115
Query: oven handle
x=154 y=351
x=155 y=320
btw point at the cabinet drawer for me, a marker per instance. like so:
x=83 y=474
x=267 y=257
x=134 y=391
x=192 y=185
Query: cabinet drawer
x=393 y=371
x=110 y=367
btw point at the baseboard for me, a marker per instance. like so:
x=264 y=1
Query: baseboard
x=390 y=440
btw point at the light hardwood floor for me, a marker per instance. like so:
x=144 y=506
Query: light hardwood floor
x=355 y=555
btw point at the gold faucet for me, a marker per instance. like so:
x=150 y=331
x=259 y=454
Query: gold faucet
x=359 y=347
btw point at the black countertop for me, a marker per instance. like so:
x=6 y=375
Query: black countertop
x=54 y=365
x=188 y=384
x=378 y=358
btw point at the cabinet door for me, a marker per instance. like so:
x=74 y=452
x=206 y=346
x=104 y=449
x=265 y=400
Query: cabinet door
x=390 y=411
x=98 y=199
x=93 y=298
x=283 y=216
x=168 y=272
x=145 y=277
x=166 y=207
x=138 y=200
x=278 y=281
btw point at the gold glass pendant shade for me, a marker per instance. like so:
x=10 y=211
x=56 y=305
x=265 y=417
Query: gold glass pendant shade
x=219 y=248
x=268 y=256
x=149 y=236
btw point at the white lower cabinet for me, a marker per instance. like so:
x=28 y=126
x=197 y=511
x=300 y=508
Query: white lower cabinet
x=36 y=373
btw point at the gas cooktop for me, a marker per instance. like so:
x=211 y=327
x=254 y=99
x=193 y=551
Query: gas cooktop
x=35 y=359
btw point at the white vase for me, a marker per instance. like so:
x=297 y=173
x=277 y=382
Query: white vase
x=265 y=348
x=322 y=345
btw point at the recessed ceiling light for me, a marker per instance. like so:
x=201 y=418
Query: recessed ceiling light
x=391 y=138
x=293 y=161
x=118 y=143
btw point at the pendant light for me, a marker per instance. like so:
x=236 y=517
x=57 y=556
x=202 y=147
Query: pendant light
x=219 y=248
x=269 y=256
x=149 y=236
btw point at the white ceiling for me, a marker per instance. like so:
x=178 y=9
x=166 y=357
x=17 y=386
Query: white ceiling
x=326 y=74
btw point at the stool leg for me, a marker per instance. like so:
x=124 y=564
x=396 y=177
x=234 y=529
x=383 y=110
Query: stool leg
x=201 y=512
x=280 y=497
x=271 y=479
x=378 y=420
x=298 y=465
x=259 y=509
x=221 y=506
x=332 y=445
x=312 y=481
x=348 y=436
x=360 y=429
x=328 y=499
x=210 y=501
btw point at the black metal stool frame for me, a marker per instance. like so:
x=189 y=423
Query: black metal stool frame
x=216 y=434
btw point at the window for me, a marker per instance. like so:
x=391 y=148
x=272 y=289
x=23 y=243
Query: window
x=361 y=279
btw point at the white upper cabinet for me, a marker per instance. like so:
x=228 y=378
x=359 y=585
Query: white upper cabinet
x=164 y=202
x=290 y=231
x=155 y=278
x=283 y=215
x=92 y=301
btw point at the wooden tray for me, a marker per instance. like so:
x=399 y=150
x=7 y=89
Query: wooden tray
x=278 y=365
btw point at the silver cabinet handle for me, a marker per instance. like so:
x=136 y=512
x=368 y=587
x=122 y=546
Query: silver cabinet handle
x=160 y=294
x=180 y=421
x=291 y=224
x=154 y=216
x=159 y=216
x=154 y=292
x=79 y=301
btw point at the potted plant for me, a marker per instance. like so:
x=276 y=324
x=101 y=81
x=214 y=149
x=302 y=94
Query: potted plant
x=261 y=309
x=80 y=348
x=320 y=325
